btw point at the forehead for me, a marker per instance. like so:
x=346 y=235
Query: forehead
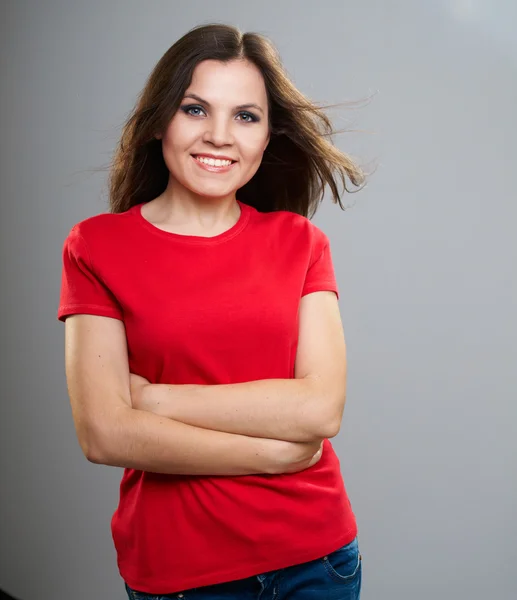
x=233 y=82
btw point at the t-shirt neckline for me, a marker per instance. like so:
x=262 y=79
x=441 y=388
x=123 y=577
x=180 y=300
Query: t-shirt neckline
x=195 y=239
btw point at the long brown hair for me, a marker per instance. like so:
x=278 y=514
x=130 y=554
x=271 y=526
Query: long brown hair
x=298 y=162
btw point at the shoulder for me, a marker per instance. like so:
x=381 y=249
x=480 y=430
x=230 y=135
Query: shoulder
x=99 y=225
x=103 y=232
x=294 y=228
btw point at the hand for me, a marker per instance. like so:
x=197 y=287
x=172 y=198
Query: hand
x=137 y=385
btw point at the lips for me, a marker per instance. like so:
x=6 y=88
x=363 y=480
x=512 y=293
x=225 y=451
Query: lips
x=214 y=157
x=213 y=160
x=214 y=168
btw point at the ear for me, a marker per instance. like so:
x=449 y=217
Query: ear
x=158 y=136
x=267 y=141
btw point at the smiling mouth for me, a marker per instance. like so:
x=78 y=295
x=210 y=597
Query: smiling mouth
x=213 y=162
x=214 y=165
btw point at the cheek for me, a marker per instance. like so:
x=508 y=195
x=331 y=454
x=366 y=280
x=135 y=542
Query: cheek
x=179 y=136
x=253 y=149
x=174 y=146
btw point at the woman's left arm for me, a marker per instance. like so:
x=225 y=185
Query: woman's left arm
x=305 y=408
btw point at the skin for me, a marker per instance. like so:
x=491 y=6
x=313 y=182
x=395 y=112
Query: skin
x=197 y=201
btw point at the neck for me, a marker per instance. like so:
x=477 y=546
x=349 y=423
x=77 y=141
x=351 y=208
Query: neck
x=184 y=211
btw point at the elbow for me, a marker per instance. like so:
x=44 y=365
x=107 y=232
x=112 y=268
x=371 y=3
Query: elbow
x=93 y=455
x=95 y=458
x=324 y=430
x=329 y=421
x=104 y=437
x=91 y=447
x=330 y=428
x=326 y=412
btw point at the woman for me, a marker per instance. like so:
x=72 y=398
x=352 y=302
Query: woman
x=204 y=346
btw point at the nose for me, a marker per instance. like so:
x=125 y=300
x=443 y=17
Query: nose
x=218 y=131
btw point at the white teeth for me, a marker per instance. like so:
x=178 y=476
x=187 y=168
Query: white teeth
x=214 y=162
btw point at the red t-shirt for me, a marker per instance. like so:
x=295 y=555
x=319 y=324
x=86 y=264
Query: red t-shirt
x=209 y=311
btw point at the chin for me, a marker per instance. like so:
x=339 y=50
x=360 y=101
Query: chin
x=212 y=192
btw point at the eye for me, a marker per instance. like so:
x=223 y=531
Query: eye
x=248 y=117
x=191 y=108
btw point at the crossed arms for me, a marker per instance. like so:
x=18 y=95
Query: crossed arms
x=217 y=429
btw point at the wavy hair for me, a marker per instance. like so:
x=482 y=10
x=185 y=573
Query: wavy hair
x=299 y=161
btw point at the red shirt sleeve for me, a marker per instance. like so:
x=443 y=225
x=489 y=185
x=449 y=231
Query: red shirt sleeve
x=320 y=274
x=82 y=289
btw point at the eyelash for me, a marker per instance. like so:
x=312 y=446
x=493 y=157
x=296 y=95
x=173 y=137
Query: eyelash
x=186 y=109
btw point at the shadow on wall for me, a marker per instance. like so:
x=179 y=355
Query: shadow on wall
x=4 y=596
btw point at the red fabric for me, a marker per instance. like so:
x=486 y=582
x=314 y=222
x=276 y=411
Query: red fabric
x=210 y=311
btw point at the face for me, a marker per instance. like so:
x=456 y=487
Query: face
x=223 y=117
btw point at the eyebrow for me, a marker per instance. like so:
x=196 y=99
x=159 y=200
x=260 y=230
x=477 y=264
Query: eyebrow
x=240 y=107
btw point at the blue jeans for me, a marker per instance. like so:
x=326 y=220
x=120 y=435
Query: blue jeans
x=336 y=576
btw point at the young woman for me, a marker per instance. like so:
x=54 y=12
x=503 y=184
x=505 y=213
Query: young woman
x=204 y=346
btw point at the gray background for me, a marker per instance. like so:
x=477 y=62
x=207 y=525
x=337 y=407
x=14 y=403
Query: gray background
x=425 y=258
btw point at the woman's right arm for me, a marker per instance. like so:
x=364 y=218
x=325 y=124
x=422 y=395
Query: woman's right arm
x=111 y=432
